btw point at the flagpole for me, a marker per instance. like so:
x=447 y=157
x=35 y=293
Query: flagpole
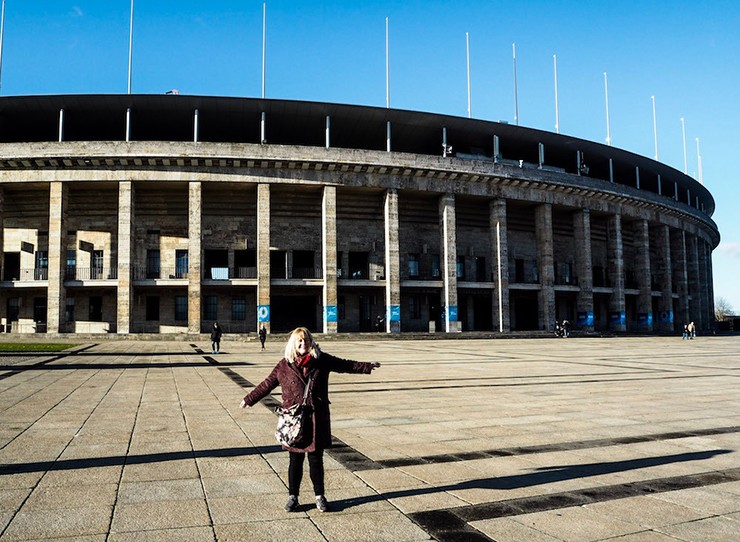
x=467 y=44
x=264 y=44
x=387 y=67
x=698 y=158
x=516 y=97
x=683 y=132
x=655 y=128
x=2 y=39
x=130 y=44
x=606 y=96
x=557 y=113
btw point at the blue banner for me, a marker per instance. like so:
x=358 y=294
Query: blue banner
x=263 y=313
x=452 y=314
x=394 y=313
x=330 y=313
x=585 y=318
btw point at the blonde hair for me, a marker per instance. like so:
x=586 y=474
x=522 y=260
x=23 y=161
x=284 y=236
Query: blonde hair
x=291 y=349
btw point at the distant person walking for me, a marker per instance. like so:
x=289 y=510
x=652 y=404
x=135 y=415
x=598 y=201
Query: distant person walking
x=263 y=335
x=685 y=332
x=216 y=338
x=692 y=330
x=304 y=364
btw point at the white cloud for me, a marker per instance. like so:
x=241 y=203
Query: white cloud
x=731 y=250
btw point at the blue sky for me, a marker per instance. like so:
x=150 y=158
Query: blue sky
x=682 y=52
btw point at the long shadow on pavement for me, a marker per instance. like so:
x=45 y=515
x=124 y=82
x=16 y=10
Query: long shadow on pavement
x=118 y=460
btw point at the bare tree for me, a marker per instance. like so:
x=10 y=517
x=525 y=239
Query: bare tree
x=722 y=309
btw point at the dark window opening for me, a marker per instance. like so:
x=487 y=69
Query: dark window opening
x=152 y=264
x=358 y=265
x=303 y=264
x=216 y=264
x=96 y=308
x=245 y=264
x=152 y=308
x=277 y=264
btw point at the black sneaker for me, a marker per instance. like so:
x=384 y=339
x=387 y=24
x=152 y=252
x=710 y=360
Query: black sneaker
x=321 y=504
x=292 y=503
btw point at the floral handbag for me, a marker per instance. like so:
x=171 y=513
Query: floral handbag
x=290 y=423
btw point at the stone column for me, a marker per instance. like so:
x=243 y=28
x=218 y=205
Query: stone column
x=664 y=321
x=710 y=284
x=705 y=311
x=694 y=284
x=680 y=278
x=392 y=264
x=617 y=315
x=263 y=256
x=329 y=257
x=448 y=251
x=2 y=229
x=57 y=295
x=584 y=269
x=195 y=271
x=125 y=264
x=546 y=266
x=643 y=275
x=500 y=259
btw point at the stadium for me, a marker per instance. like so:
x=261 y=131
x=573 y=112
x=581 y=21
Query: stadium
x=130 y=214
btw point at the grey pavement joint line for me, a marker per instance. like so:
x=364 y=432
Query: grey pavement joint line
x=197 y=467
x=52 y=407
x=125 y=458
x=446 y=525
x=47 y=466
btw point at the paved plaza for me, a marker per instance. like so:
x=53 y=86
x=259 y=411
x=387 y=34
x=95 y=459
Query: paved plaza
x=628 y=439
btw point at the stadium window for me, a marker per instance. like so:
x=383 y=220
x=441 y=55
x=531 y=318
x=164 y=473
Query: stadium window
x=71 y=264
x=181 y=308
x=413 y=265
x=152 y=308
x=69 y=310
x=460 y=267
x=414 y=307
x=435 y=266
x=211 y=308
x=238 y=308
x=152 y=263
x=96 y=308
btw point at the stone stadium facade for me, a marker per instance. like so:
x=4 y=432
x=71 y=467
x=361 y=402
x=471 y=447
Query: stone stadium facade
x=161 y=214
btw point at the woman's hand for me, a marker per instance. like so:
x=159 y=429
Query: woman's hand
x=375 y=364
x=243 y=404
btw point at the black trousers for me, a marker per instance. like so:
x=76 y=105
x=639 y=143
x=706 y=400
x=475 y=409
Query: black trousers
x=315 y=471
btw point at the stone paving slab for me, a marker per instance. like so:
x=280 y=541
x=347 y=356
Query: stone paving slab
x=629 y=439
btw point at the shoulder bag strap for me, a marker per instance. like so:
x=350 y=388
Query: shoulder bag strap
x=308 y=388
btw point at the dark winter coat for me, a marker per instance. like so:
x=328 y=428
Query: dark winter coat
x=216 y=334
x=292 y=383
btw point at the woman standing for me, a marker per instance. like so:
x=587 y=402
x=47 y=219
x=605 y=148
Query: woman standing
x=263 y=335
x=303 y=363
x=215 y=338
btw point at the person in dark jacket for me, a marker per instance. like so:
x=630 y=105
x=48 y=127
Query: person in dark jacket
x=304 y=361
x=263 y=335
x=215 y=338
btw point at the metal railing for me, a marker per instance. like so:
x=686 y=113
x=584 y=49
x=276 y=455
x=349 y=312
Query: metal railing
x=38 y=273
x=91 y=273
x=171 y=273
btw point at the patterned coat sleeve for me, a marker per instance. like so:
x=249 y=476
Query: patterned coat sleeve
x=264 y=387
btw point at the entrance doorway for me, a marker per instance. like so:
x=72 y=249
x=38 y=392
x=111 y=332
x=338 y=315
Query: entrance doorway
x=290 y=312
